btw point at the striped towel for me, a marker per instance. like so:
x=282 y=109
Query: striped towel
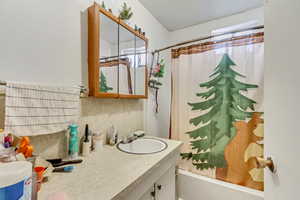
x=37 y=110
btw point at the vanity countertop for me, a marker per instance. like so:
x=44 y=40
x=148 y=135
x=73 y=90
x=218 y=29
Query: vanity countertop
x=105 y=174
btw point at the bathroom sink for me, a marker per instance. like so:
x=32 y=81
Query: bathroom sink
x=143 y=146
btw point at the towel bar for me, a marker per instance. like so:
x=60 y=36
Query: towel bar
x=2 y=83
x=83 y=90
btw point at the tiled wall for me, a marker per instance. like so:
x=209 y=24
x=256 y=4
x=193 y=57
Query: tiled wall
x=126 y=115
x=1 y=109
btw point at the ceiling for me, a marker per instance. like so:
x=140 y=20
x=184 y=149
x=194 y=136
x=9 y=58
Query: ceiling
x=178 y=14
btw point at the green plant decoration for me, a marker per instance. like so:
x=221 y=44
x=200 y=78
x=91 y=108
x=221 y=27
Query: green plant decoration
x=103 y=84
x=158 y=72
x=125 y=13
x=103 y=5
x=225 y=105
x=154 y=83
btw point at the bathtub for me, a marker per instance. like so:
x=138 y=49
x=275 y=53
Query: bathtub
x=194 y=187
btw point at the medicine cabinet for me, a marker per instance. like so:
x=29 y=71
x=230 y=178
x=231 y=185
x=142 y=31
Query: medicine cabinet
x=117 y=57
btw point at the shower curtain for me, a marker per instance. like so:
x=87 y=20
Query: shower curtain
x=217 y=108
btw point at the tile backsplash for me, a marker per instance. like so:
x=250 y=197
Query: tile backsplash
x=125 y=114
x=2 y=109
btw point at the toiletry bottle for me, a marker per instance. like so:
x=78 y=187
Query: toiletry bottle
x=112 y=135
x=98 y=141
x=86 y=146
x=73 y=141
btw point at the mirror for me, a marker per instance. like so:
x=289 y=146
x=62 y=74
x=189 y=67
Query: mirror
x=108 y=54
x=117 y=57
x=140 y=66
x=126 y=61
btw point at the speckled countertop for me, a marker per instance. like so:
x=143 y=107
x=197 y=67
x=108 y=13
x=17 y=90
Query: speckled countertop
x=104 y=174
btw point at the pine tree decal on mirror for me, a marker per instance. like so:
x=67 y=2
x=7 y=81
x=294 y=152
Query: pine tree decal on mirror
x=224 y=105
x=103 y=84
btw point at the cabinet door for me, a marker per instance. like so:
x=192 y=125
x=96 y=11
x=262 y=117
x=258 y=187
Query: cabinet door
x=140 y=67
x=108 y=54
x=147 y=195
x=165 y=186
x=126 y=61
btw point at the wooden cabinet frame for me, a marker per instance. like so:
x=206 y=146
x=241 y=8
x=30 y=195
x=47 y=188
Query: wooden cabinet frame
x=94 y=53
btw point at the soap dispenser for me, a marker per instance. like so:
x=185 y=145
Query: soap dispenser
x=73 y=141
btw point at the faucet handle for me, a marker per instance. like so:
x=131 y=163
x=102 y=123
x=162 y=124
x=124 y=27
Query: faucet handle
x=124 y=139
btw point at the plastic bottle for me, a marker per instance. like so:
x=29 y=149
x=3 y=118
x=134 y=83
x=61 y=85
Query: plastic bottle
x=112 y=135
x=73 y=141
x=98 y=141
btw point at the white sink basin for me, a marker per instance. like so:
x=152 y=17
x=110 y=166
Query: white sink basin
x=143 y=146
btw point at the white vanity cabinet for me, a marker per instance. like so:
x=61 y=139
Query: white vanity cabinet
x=148 y=194
x=156 y=184
x=116 y=175
x=163 y=188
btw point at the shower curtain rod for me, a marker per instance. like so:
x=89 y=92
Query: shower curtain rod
x=208 y=37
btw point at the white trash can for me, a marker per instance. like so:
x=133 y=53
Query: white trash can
x=15 y=180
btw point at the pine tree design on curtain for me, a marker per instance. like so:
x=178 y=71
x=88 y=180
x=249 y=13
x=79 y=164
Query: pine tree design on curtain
x=103 y=84
x=225 y=105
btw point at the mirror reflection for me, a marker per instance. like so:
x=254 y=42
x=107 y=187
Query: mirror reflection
x=140 y=66
x=126 y=61
x=108 y=79
x=108 y=72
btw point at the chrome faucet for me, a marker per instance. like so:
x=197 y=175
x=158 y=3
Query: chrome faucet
x=129 y=139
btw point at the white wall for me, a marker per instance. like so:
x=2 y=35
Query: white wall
x=158 y=123
x=45 y=42
x=41 y=42
x=282 y=97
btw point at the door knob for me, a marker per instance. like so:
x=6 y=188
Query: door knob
x=159 y=187
x=152 y=194
x=263 y=163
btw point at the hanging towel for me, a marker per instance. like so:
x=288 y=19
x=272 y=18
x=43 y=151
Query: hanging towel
x=37 y=110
